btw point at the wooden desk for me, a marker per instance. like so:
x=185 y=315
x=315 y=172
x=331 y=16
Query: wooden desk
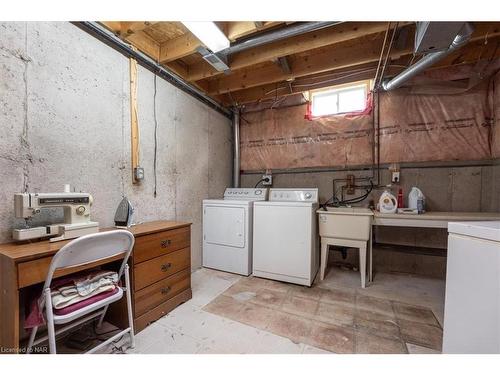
x=156 y=289
x=432 y=219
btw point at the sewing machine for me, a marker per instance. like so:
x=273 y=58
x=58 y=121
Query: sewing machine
x=76 y=208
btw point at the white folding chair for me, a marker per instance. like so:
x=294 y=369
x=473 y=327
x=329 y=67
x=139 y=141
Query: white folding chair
x=84 y=250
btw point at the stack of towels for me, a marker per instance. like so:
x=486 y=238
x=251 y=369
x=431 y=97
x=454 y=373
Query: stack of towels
x=72 y=293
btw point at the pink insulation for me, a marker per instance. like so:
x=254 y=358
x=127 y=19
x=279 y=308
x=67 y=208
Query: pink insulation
x=495 y=129
x=413 y=128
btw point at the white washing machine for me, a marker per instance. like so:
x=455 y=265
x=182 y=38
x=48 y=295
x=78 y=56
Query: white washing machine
x=285 y=245
x=227 y=230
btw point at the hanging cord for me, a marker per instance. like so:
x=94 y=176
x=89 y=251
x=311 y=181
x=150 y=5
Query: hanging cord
x=387 y=56
x=258 y=183
x=381 y=54
x=156 y=138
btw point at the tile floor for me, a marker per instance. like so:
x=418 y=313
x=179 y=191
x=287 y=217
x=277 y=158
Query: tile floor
x=192 y=329
x=334 y=319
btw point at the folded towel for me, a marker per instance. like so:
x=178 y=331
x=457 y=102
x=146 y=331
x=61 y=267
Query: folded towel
x=69 y=290
x=85 y=302
x=60 y=300
x=86 y=285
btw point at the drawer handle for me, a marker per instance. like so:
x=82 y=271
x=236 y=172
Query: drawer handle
x=166 y=267
x=165 y=243
x=165 y=290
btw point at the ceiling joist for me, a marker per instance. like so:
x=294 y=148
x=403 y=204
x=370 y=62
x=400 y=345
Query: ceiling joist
x=328 y=59
x=302 y=43
x=468 y=55
x=179 y=47
x=288 y=65
x=338 y=56
x=235 y=30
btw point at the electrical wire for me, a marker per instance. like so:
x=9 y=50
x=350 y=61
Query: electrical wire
x=389 y=49
x=258 y=183
x=335 y=201
x=155 y=158
x=382 y=53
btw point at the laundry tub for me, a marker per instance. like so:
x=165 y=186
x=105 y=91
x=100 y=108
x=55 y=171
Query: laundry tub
x=352 y=223
x=348 y=227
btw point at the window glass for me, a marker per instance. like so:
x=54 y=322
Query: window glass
x=338 y=100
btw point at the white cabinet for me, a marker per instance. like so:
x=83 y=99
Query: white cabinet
x=472 y=303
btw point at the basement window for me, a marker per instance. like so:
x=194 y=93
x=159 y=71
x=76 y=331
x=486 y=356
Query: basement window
x=338 y=100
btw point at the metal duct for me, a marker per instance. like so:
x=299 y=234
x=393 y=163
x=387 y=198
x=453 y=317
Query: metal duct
x=273 y=36
x=236 y=161
x=428 y=60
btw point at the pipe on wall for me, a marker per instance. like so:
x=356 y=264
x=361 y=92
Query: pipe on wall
x=236 y=160
x=460 y=40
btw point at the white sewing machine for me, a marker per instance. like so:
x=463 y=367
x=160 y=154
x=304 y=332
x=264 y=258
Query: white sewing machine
x=76 y=215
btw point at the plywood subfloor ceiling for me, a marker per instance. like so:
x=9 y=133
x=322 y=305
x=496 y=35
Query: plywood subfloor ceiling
x=344 y=52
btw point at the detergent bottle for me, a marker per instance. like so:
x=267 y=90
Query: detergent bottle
x=413 y=197
x=388 y=203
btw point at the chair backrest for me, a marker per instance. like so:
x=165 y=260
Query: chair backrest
x=92 y=248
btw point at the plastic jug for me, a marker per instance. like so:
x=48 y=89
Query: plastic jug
x=413 y=196
x=387 y=203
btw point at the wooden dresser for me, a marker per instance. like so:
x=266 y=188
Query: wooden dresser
x=160 y=270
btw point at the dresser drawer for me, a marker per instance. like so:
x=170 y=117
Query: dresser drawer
x=153 y=270
x=153 y=295
x=154 y=245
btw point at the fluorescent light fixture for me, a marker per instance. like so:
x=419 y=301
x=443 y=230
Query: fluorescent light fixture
x=209 y=34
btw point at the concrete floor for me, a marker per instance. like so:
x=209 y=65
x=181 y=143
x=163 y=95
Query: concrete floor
x=190 y=329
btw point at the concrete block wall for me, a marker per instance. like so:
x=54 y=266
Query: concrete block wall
x=459 y=188
x=65 y=118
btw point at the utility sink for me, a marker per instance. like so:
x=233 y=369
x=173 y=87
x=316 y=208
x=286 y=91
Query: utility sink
x=351 y=223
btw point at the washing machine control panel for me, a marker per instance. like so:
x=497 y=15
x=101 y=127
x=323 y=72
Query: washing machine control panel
x=254 y=194
x=292 y=195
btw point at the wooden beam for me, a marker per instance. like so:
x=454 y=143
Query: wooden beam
x=179 y=47
x=336 y=57
x=134 y=121
x=274 y=90
x=177 y=67
x=138 y=38
x=329 y=59
x=465 y=56
x=301 y=43
x=125 y=28
x=128 y=28
x=114 y=26
x=145 y=44
x=235 y=30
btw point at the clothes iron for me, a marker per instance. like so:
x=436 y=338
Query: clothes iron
x=123 y=215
